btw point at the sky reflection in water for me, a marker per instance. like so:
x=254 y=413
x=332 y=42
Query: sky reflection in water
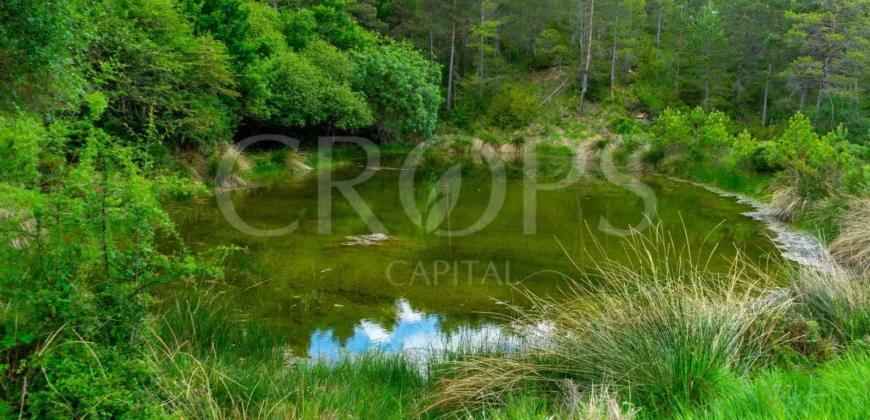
x=412 y=331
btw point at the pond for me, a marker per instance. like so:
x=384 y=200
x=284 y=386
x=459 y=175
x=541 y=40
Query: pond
x=416 y=287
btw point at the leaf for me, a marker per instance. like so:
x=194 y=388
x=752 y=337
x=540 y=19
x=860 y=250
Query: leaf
x=443 y=197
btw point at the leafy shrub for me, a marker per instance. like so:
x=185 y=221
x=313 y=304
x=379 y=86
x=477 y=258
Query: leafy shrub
x=39 y=42
x=80 y=242
x=815 y=168
x=401 y=86
x=515 y=106
x=651 y=100
x=653 y=157
x=469 y=108
x=147 y=58
x=289 y=90
x=626 y=125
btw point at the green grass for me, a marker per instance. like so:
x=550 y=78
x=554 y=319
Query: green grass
x=837 y=390
x=750 y=185
x=554 y=150
x=211 y=362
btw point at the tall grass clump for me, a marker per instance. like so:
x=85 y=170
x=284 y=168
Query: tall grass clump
x=597 y=405
x=837 y=298
x=852 y=247
x=662 y=330
x=211 y=362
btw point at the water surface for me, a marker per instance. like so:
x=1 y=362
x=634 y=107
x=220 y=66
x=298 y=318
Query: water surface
x=418 y=288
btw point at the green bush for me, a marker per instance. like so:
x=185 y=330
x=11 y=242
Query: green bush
x=402 y=88
x=626 y=125
x=81 y=240
x=650 y=98
x=469 y=108
x=515 y=106
x=149 y=63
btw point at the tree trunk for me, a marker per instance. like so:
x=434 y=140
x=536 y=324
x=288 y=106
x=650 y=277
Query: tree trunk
x=707 y=92
x=739 y=85
x=766 y=93
x=824 y=83
x=465 y=57
x=275 y=4
x=613 y=59
x=804 y=95
x=480 y=52
x=585 y=85
x=452 y=64
x=659 y=29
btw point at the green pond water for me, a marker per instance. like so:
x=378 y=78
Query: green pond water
x=419 y=289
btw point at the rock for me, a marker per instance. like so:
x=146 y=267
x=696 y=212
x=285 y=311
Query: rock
x=376 y=239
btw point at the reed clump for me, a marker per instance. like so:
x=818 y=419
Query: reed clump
x=663 y=331
x=852 y=246
x=837 y=298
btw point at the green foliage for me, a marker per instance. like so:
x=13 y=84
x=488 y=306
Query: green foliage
x=40 y=46
x=515 y=106
x=225 y=20
x=149 y=62
x=836 y=390
x=626 y=126
x=697 y=133
x=553 y=48
x=335 y=25
x=80 y=254
x=300 y=27
x=651 y=99
x=402 y=88
x=290 y=90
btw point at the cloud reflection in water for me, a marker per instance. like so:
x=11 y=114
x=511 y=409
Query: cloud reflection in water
x=413 y=331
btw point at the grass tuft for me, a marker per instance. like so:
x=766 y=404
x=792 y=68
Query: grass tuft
x=837 y=298
x=852 y=247
x=663 y=330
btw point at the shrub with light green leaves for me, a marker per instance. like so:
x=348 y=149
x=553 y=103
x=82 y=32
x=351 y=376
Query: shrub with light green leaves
x=515 y=106
x=402 y=88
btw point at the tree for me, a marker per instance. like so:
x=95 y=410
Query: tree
x=584 y=85
x=483 y=36
x=40 y=47
x=402 y=88
x=156 y=72
x=225 y=20
x=708 y=37
x=825 y=34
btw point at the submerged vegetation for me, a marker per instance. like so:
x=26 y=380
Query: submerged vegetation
x=109 y=109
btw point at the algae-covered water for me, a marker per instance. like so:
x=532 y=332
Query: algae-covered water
x=415 y=289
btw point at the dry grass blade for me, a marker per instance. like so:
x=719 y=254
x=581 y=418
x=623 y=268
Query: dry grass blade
x=852 y=247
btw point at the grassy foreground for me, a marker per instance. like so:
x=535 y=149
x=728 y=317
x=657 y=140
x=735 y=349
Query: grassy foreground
x=659 y=340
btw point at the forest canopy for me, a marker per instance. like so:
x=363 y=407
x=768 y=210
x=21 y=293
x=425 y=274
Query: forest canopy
x=191 y=71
